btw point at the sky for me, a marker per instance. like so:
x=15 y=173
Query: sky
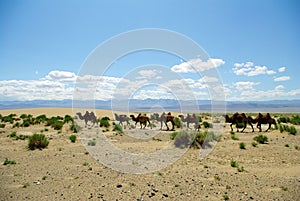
x=252 y=49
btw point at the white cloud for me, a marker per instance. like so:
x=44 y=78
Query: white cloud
x=249 y=69
x=282 y=69
x=147 y=74
x=282 y=78
x=245 y=85
x=279 y=87
x=197 y=65
x=61 y=76
x=208 y=79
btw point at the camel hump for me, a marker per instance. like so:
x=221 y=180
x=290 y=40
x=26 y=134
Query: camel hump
x=169 y=113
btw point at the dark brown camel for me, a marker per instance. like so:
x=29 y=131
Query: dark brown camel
x=165 y=118
x=122 y=118
x=88 y=117
x=142 y=119
x=237 y=118
x=264 y=119
x=191 y=119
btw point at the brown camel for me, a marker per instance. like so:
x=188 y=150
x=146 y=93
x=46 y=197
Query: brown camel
x=142 y=119
x=165 y=118
x=88 y=117
x=191 y=119
x=237 y=118
x=122 y=118
x=264 y=119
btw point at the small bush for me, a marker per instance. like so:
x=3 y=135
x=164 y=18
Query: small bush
x=177 y=122
x=242 y=145
x=75 y=128
x=68 y=119
x=254 y=144
x=234 y=137
x=293 y=130
x=233 y=164
x=118 y=129
x=281 y=129
x=282 y=120
x=240 y=169
x=8 y=162
x=287 y=145
x=297 y=147
x=13 y=134
x=182 y=139
x=92 y=143
x=261 y=139
x=57 y=125
x=2 y=125
x=207 y=125
x=73 y=138
x=104 y=122
x=295 y=120
x=37 y=141
x=203 y=138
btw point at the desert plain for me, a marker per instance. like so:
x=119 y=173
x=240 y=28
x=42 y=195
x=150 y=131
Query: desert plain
x=67 y=171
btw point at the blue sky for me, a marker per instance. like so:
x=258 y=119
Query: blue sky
x=44 y=43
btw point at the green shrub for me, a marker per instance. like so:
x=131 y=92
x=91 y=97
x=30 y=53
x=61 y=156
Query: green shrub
x=41 y=119
x=57 y=125
x=282 y=120
x=74 y=127
x=295 y=120
x=2 y=125
x=254 y=144
x=206 y=124
x=92 y=143
x=8 y=162
x=262 y=139
x=118 y=129
x=25 y=123
x=37 y=141
x=203 y=138
x=293 y=130
x=182 y=139
x=234 y=163
x=73 y=138
x=104 y=122
x=13 y=134
x=177 y=122
x=68 y=119
x=281 y=129
x=287 y=145
x=242 y=145
x=234 y=137
x=240 y=169
x=21 y=137
x=297 y=147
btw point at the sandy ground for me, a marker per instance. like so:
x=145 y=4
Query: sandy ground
x=67 y=171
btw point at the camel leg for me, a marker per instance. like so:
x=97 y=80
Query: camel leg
x=231 y=126
x=245 y=125
x=252 y=127
x=269 y=127
x=167 y=126
x=173 y=126
x=259 y=127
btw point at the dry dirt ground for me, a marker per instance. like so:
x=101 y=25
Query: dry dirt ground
x=66 y=171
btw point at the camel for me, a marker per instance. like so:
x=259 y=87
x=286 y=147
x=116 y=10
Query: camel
x=237 y=118
x=264 y=119
x=142 y=119
x=190 y=119
x=122 y=118
x=88 y=117
x=165 y=118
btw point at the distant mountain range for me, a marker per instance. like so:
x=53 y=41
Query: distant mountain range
x=163 y=105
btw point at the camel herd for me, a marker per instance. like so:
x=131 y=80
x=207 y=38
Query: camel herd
x=260 y=119
x=237 y=119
